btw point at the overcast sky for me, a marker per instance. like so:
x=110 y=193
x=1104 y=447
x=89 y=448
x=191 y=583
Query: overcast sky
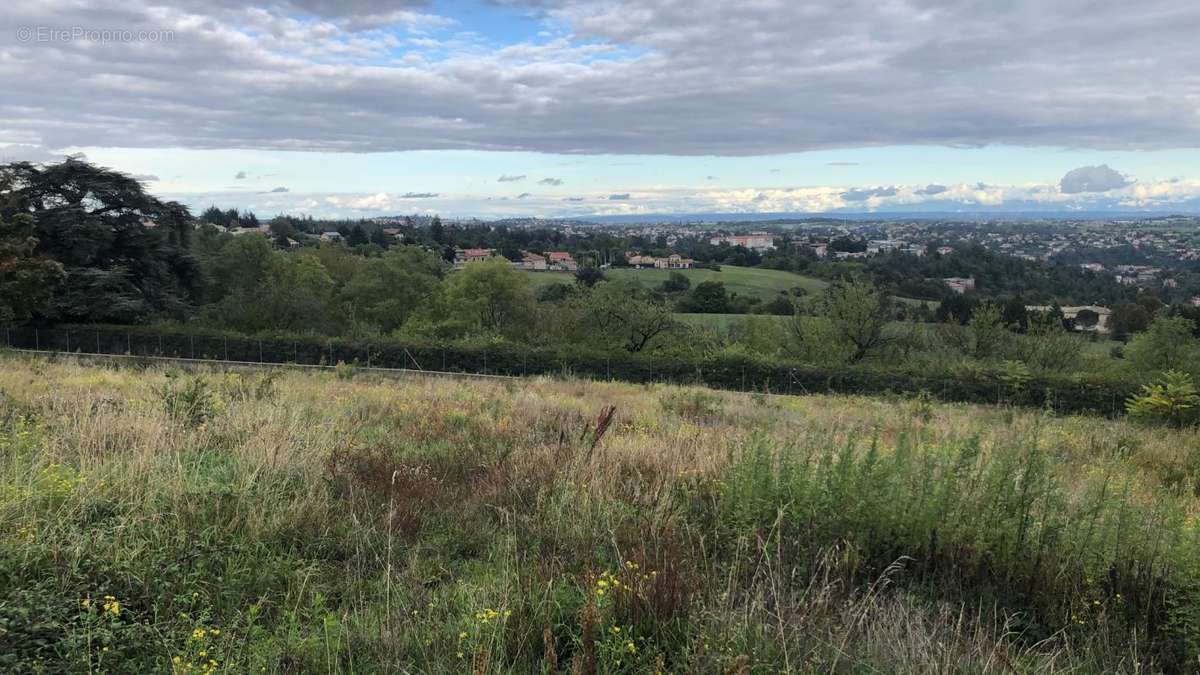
x=533 y=107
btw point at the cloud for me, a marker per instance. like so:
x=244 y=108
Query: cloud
x=618 y=77
x=524 y=195
x=145 y=177
x=624 y=196
x=278 y=189
x=573 y=199
x=932 y=189
x=863 y=194
x=554 y=182
x=241 y=175
x=418 y=195
x=841 y=163
x=510 y=179
x=710 y=178
x=1092 y=179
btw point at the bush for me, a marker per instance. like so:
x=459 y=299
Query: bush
x=191 y=403
x=1173 y=400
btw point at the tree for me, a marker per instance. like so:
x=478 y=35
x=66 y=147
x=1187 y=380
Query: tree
x=1168 y=344
x=858 y=313
x=27 y=281
x=1129 y=318
x=677 y=282
x=389 y=289
x=125 y=254
x=623 y=314
x=1087 y=318
x=491 y=296
x=589 y=276
x=708 y=297
x=987 y=330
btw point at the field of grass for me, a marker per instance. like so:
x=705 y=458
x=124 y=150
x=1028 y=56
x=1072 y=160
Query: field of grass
x=154 y=520
x=749 y=281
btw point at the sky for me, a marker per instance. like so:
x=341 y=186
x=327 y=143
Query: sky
x=577 y=108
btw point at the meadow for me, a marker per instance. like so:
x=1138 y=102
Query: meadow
x=752 y=282
x=157 y=520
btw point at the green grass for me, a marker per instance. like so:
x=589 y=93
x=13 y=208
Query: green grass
x=162 y=521
x=747 y=281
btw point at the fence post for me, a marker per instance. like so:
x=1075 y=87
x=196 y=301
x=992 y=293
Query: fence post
x=192 y=346
x=443 y=359
x=37 y=340
x=226 y=339
x=296 y=353
x=68 y=340
x=260 y=356
x=128 y=343
x=160 y=349
x=97 y=342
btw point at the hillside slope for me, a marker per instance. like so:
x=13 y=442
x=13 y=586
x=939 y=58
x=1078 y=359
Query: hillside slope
x=158 y=521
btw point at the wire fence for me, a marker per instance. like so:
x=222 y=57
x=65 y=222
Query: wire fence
x=1060 y=393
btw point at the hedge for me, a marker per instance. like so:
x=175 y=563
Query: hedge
x=1062 y=393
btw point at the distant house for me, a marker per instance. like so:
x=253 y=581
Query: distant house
x=674 y=262
x=561 y=260
x=1103 y=314
x=466 y=256
x=960 y=284
x=1196 y=301
x=883 y=245
x=671 y=262
x=533 y=261
x=1092 y=267
x=393 y=232
x=945 y=250
x=331 y=236
x=757 y=241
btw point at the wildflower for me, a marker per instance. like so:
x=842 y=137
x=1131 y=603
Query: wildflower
x=616 y=629
x=215 y=631
x=630 y=647
x=460 y=655
x=462 y=635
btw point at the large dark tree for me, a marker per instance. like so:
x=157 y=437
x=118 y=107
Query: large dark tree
x=125 y=253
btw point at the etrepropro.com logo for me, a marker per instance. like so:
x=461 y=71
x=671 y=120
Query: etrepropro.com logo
x=84 y=34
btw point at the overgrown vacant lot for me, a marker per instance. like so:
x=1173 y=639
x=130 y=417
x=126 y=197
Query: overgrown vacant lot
x=153 y=521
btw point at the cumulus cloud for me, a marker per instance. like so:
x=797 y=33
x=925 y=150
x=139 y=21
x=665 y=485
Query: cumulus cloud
x=418 y=195
x=573 y=199
x=510 y=179
x=553 y=182
x=863 y=194
x=278 y=189
x=241 y=175
x=931 y=189
x=618 y=77
x=624 y=196
x=1092 y=179
x=524 y=195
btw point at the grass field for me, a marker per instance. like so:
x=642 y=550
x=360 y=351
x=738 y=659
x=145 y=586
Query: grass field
x=284 y=522
x=748 y=281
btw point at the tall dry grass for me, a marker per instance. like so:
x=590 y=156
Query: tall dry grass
x=355 y=524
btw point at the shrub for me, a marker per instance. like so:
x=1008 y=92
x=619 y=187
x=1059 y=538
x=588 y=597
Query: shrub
x=191 y=403
x=1172 y=399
